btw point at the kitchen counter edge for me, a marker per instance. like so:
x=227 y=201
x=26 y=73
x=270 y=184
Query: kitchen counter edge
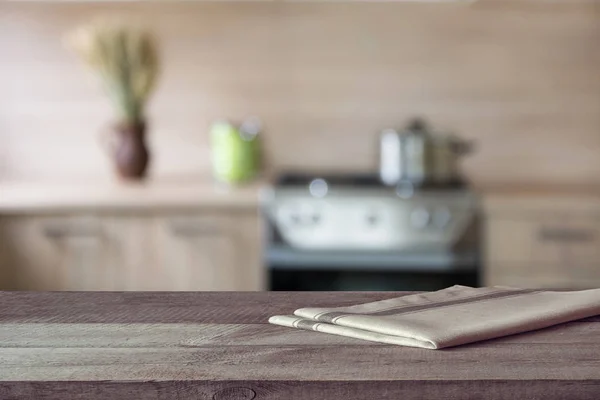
x=18 y=198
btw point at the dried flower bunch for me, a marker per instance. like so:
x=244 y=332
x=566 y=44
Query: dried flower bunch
x=126 y=59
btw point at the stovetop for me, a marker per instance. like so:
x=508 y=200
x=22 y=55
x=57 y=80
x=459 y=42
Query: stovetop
x=357 y=211
x=298 y=179
x=301 y=179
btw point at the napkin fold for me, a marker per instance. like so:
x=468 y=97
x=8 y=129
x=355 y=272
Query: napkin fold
x=449 y=317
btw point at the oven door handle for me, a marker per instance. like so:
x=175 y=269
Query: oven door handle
x=285 y=257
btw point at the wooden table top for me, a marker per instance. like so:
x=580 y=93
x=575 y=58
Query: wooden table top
x=219 y=346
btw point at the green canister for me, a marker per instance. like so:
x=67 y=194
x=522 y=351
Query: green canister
x=235 y=151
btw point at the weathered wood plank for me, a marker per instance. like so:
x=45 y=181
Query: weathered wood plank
x=45 y=335
x=218 y=346
x=167 y=307
x=170 y=307
x=301 y=363
x=260 y=390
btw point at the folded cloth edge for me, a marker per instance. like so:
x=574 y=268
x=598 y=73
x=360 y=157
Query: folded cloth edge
x=293 y=321
x=584 y=303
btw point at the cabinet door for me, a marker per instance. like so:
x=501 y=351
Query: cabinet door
x=131 y=261
x=560 y=251
x=51 y=252
x=582 y=254
x=192 y=251
x=523 y=241
x=209 y=252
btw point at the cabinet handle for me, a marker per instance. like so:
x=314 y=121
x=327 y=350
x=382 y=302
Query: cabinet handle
x=566 y=235
x=59 y=232
x=183 y=230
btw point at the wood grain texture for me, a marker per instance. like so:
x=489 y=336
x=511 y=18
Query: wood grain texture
x=185 y=250
x=163 y=307
x=542 y=241
x=219 y=346
x=53 y=252
x=519 y=77
x=572 y=362
x=89 y=335
x=384 y=390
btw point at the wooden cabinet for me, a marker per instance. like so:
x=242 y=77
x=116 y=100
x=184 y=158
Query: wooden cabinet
x=209 y=252
x=51 y=253
x=196 y=250
x=198 y=253
x=552 y=248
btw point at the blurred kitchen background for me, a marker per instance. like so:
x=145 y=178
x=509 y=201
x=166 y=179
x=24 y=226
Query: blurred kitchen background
x=403 y=145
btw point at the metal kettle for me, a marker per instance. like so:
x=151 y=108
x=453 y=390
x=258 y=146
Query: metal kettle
x=417 y=155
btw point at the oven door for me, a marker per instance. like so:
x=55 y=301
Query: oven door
x=297 y=270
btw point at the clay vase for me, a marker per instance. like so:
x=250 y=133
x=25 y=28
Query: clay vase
x=128 y=150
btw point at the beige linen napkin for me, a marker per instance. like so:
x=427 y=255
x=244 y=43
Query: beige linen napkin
x=449 y=317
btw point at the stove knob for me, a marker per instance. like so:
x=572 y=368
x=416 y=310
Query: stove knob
x=419 y=218
x=295 y=218
x=372 y=219
x=318 y=187
x=442 y=217
x=405 y=190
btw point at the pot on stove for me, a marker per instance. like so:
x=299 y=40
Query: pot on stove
x=417 y=155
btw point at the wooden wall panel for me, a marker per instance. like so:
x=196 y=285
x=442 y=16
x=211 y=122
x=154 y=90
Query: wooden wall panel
x=521 y=78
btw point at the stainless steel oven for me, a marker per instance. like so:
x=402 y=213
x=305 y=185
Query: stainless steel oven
x=353 y=233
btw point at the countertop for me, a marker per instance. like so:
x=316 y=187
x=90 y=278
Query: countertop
x=70 y=196
x=191 y=346
x=28 y=197
x=578 y=199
